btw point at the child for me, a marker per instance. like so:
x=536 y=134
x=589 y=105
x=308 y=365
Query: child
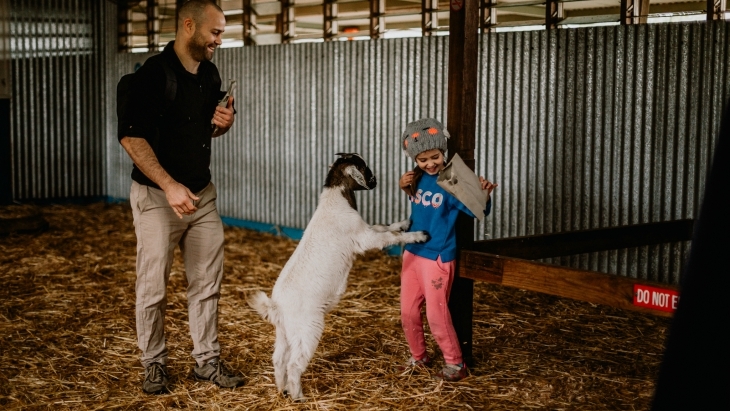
x=428 y=268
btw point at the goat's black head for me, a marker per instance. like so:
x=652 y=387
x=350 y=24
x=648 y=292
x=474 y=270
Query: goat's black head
x=351 y=172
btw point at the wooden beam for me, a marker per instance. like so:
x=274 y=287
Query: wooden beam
x=285 y=23
x=590 y=286
x=329 y=27
x=530 y=11
x=377 y=19
x=634 y=11
x=553 y=13
x=153 y=25
x=461 y=123
x=429 y=17
x=248 y=19
x=716 y=10
x=124 y=21
x=488 y=16
x=587 y=241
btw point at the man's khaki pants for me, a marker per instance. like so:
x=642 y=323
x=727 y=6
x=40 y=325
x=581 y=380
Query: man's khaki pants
x=200 y=237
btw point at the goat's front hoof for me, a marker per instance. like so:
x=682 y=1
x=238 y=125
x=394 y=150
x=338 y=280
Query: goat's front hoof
x=401 y=225
x=417 y=237
x=426 y=235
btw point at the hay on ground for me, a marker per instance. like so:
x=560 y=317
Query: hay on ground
x=67 y=334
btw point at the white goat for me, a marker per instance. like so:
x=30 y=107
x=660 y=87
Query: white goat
x=315 y=277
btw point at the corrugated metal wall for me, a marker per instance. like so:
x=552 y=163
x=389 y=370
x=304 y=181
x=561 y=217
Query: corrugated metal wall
x=58 y=101
x=601 y=127
x=302 y=104
x=581 y=128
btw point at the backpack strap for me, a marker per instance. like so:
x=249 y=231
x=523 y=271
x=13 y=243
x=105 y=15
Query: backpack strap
x=171 y=81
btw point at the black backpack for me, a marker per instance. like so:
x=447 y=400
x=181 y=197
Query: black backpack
x=124 y=89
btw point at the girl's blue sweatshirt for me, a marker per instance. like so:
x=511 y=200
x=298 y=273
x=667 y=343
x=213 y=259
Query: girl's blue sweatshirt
x=434 y=210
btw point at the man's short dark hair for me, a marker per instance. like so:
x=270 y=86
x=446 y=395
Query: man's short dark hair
x=195 y=9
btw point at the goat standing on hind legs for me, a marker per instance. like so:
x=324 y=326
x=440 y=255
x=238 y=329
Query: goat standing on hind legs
x=315 y=277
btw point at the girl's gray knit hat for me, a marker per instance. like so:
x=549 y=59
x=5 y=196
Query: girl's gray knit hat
x=423 y=135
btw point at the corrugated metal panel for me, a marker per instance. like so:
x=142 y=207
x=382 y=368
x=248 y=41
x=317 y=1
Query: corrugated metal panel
x=118 y=164
x=601 y=127
x=300 y=104
x=57 y=106
x=582 y=128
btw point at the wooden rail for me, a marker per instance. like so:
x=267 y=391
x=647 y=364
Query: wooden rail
x=505 y=262
x=587 y=241
x=590 y=286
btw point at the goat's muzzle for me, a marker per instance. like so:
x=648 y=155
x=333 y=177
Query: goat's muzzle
x=372 y=183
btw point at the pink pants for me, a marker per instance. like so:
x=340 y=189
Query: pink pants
x=427 y=281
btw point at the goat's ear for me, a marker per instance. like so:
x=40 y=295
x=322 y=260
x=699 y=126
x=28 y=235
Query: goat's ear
x=356 y=175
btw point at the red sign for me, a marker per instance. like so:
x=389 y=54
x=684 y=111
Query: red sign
x=655 y=298
x=456 y=5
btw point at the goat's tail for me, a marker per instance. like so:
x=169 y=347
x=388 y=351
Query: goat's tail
x=264 y=306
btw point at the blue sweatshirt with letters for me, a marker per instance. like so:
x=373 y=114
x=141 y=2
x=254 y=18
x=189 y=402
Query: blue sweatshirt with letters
x=434 y=210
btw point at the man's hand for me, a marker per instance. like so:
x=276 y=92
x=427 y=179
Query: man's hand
x=180 y=199
x=223 y=117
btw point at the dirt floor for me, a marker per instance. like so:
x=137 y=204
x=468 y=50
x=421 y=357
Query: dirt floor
x=67 y=334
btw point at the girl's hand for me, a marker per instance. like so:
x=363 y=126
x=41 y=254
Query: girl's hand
x=487 y=185
x=406 y=180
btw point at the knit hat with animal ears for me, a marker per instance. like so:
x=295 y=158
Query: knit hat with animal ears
x=423 y=135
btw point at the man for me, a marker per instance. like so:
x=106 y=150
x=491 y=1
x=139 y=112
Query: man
x=172 y=196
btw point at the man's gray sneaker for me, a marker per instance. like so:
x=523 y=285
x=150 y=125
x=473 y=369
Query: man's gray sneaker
x=155 y=379
x=214 y=371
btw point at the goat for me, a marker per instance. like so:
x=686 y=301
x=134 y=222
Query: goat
x=315 y=276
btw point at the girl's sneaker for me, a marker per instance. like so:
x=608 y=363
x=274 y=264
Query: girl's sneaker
x=414 y=363
x=453 y=372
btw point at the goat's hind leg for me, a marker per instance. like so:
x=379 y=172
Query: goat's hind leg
x=281 y=358
x=302 y=345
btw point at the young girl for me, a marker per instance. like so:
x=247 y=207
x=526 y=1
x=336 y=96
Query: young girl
x=428 y=268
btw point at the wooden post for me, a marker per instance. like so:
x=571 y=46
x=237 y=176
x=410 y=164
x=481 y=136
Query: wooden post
x=553 y=13
x=461 y=123
x=153 y=25
x=377 y=21
x=329 y=11
x=716 y=10
x=429 y=17
x=124 y=21
x=635 y=11
x=285 y=24
x=248 y=20
x=488 y=16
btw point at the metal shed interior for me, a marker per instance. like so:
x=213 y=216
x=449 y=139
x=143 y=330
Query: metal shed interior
x=582 y=128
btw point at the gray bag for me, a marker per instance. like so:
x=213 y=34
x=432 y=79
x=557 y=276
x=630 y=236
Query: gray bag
x=461 y=182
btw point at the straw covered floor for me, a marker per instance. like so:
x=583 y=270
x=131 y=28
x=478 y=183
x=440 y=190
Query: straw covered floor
x=67 y=334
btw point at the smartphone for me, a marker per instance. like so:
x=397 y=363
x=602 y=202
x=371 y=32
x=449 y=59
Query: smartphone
x=231 y=87
x=224 y=101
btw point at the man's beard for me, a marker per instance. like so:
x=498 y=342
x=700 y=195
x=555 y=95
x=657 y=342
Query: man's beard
x=198 y=48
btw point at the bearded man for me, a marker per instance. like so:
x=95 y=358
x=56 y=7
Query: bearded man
x=173 y=116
